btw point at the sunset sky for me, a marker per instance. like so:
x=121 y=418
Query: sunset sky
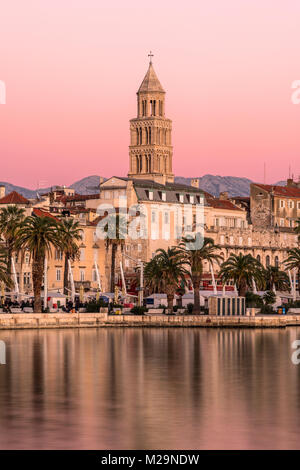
x=72 y=69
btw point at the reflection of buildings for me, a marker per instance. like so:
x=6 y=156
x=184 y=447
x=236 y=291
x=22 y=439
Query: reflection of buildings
x=261 y=225
x=149 y=388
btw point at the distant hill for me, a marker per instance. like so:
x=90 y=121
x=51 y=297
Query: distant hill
x=213 y=184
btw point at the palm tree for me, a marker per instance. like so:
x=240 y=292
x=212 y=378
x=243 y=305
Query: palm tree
x=4 y=278
x=269 y=297
x=38 y=235
x=10 y=219
x=242 y=270
x=195 y=258
x=115 y=229
x=70 y=233
x=293 y=262
x=276 y=278
x=165 y=272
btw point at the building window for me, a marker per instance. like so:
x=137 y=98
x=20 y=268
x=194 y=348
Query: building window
x=150 y=195
x=258 y=258
x=191 y=199
x=82 y=254
x=58 y=255
x=281 y=222
x=281 y=203
x=163 y=196
x=27 y=257
x=139 y=247
x=276 y=261
x=26 y=279
x=153 y=217
x=291 y=204
x=267 y=260
x=82 y=275
x=58 y=274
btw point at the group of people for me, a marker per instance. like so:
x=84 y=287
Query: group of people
x=8 y=304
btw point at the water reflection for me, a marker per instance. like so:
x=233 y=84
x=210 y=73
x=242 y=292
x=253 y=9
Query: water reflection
x=149 y=388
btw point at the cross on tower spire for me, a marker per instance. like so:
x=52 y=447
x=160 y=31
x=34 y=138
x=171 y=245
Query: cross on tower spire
x=150 y=55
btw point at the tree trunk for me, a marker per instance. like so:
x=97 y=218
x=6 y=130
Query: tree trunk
x=66 y=274
x=196 y=308
x=113 y=267
x=242 y=289
x=37 y=279
x=170 y=298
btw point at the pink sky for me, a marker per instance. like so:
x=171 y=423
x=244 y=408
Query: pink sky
x=72 y=69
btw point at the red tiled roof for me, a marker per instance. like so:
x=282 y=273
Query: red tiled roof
x=283 y=191
x=14 y=198
x=41 y=213
x=223 y=204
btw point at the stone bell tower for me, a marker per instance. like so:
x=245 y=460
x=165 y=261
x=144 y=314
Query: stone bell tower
x=150 y=150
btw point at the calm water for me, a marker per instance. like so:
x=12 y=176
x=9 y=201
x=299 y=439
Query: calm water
x=149 y=389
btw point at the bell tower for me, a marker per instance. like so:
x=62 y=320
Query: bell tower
x=150 y=150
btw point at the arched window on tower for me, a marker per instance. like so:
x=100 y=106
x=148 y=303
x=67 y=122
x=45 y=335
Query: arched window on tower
x=158 y=136
x=137 y=136
x=160 y=107
x=149 y=135
x=141 y=136
x=144 y=107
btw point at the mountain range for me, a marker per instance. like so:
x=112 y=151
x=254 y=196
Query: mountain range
x=213 y=184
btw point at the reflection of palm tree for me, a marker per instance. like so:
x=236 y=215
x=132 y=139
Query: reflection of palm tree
x=10 y=220
x=38 y=235
x=70 y=233
x=276 y=278
x=242 y=270
x=165 y=272
x=293 y=262
x=195 y=258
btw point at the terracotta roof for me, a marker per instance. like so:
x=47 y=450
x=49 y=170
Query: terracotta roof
x=41 y=213
x=14 y=198
x=284 y=191
x=223 y=204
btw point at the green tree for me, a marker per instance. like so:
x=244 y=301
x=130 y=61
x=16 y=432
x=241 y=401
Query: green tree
x=38 y=235
x=293 y=262
x=4 y=278
x=269 y=297
x=276 y=278
x=165 y=272
x=195 y=252
x=69 y=233
x=242 y=270
x=11 y=218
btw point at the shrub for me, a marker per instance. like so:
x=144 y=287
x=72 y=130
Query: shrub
x=267 y=310
x=253 y=300
x=138 y=310
x=190 y=308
